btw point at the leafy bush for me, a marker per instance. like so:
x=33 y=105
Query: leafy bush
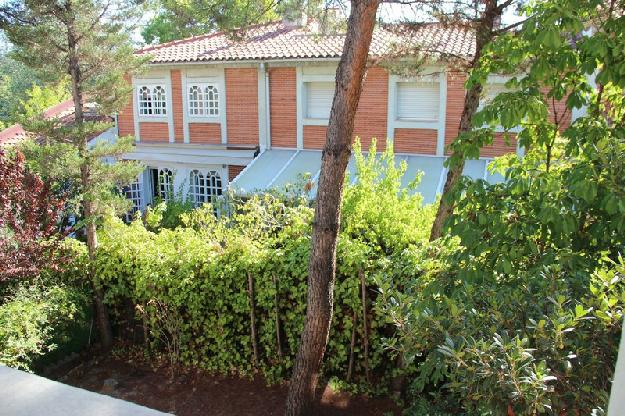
x=35 y=319
x=202 y=271
x=167 y=214
x=520 y=309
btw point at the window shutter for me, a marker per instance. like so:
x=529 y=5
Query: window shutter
x=418 y=100
x=319 y=97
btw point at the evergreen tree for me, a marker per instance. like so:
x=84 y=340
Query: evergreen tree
x=89 y=41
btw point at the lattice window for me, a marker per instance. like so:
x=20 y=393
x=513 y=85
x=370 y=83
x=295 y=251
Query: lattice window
x=134 y=193
x=165 y=184
x=205 y=188
x=203 y=100
x=152 y=100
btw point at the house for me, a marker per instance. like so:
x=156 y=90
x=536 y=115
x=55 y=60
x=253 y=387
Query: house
x=63 y=112
x=16 y=133
x=212 y=112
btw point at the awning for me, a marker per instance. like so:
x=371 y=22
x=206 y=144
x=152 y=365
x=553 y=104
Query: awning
x=190 y=154
x=274 y=169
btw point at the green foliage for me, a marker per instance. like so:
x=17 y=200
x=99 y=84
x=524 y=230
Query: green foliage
x=167 y=214
x=15 y=80
x=519 y=309
x=39 y=33
x=194 y=278
x=177 y=19
x=35 y=320
x=378 y=210
x=38 y=99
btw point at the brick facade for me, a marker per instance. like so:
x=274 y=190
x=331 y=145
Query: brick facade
x=314 y=137
x=242 y=105
x=455 y=105
x=233 y=171
x=205 y=133
x=371 y=116
x=176 y=105
x=153 y=132
x=499 y=146
x=125 y=118
x=283 y=107
x=422 y=141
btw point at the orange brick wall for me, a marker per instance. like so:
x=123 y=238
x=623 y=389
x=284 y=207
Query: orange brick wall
x=176 y=105
x=314 y=137
x=205 y=133
x=242 y=105
x=153 y=132
x=233 y=171
x=558 y=108
x=283 y=103
x=422 y=141
x=371 y=116
x=455 y=105
x=125 y=121
x=499 y=146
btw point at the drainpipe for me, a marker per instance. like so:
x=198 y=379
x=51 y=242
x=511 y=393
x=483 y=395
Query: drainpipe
x=263 y=109
x=268 y=107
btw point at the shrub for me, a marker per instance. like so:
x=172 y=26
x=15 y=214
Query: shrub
x=35 y=319
x=212 y=272
x=520 y=309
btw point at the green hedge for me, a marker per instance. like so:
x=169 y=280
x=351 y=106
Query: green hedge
x=191 y=284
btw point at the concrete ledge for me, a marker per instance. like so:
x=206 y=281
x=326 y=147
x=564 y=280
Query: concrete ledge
x=26 y=394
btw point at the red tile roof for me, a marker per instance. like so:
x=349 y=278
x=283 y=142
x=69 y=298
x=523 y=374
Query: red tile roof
x=63 y=111
x=286 y=41
x=16 y=132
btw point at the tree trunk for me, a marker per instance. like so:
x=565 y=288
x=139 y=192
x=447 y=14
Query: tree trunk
x=484 y=34
x=102 y=317
x=253 y=332
x=101 y=311
x=336 y=153
x=365 y=329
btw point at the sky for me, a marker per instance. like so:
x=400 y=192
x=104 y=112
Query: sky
x=390 y=12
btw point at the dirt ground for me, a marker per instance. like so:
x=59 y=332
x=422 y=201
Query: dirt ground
x=197 y=393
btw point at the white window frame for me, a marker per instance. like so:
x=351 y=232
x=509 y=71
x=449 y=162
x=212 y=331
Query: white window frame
x=430 y=74
x=134 y=192
x=165 y=184
x=205 y=101
x=205 y=186
x=164 y=106
x=417 y=84
x=416 y=123
x=306 y=85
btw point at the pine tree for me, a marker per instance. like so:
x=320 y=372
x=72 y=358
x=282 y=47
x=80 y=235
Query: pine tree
x=88 y=42
x=336 y=154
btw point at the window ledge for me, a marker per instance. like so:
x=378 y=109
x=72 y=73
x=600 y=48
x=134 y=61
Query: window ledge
x=204 y=119
x=316 y=121
x=154 y=119
x=416 y=124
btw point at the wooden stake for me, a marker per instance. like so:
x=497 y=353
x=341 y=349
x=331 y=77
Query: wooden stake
x=364 y=322
x=250 y=287
x=350 y=368
x=278 y=338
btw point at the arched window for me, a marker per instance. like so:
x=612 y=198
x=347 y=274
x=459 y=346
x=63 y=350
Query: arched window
x=134 y=194
x=165 y=184
x=203 y=100
x=204 y=187
x=152 y=100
